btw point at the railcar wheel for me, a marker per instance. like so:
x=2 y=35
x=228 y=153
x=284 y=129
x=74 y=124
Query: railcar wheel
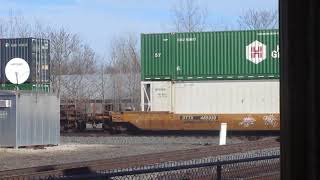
x=80 y=126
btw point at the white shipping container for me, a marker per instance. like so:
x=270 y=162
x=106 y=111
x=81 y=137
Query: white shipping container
x=217 y=97
x=227 y=97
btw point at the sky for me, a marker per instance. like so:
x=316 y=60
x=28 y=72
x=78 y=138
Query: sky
x=99 y=21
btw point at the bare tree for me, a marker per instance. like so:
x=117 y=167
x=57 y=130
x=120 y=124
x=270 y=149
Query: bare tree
x=69 y=55
x=76 y=81
x=3 y=28
x=14 y=26
x=82 y=61
x=40 y=30
x=258 y=19
x=72 y=60
x=63 y=44
x=125 y=72
x=189 y=16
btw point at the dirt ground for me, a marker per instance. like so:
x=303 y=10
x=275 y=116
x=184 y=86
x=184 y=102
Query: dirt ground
x=74 y=149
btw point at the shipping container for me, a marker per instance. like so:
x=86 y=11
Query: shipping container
x=197 y=56
x=227 y=97
x=29 y=118
x=216 y=96
x=36 y=52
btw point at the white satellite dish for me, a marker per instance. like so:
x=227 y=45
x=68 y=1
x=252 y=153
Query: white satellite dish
x=17 y=71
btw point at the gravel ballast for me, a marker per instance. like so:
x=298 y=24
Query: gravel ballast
x=77 y=149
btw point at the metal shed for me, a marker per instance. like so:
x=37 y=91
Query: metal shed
x=28 y=119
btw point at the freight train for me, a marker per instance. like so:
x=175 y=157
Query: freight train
x=196 y=81
x=189 y=82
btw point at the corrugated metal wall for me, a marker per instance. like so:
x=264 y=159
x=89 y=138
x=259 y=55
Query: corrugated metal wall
x=210 y=55
x=227 y=97
x=36 y=52
x=38 y=119
x=156 y=56
x=219 y=97
x=13 y=48
x=31 y=119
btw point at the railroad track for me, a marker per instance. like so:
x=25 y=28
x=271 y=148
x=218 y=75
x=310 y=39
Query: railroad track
x=91 y=134
x=135 y=161
x=163 y=134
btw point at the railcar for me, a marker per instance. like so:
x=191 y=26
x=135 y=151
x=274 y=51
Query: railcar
x=166 y=121
x=75 y=115
x=196 y=81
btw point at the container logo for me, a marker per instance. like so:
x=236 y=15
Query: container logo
x=256 y=52
x=275 y=54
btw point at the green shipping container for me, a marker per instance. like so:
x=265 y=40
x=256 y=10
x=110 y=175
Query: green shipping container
x=26 y=87
x=210 y=55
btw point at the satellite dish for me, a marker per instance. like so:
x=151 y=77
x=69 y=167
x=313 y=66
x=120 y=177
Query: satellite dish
x=17 y=71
